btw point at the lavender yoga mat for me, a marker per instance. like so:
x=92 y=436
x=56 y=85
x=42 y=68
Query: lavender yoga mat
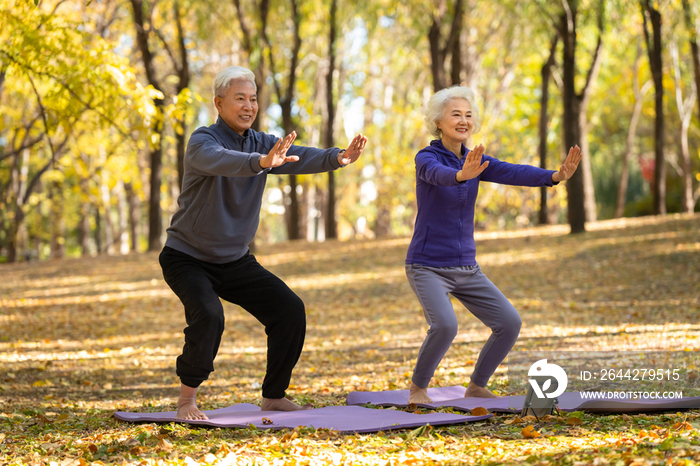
x=569 y=401
x=342 y=418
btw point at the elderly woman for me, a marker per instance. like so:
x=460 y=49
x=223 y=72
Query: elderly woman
x=441 y=258
x=206 y=255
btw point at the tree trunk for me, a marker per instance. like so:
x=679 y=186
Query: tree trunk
x=107 y=206
x=687 y=200
x=685 y=113
x=438 y=52
x=19 y=186
x=382 y=226
x=292 y=199
x=331 y=227
x=133 y=203
x=695 y=52
x=656 y=64
x=58 y=223
x=544 y=124
x=585 y=98
x=580 y=186
x=84 y=225
x=437 y=60
x=183 y=73
x=155 y=221
x=631 y=134
x=456 y=45
x=98 y=230
x=586 y=170
x=122 y=216
x=574 y=186
x=285 y=100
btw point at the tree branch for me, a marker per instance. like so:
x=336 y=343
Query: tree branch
x=289 y=92
x=27 y=69
x=184 y=69
x=264 y=10
x=597 y=59
x=247 y=43
x=176 y=65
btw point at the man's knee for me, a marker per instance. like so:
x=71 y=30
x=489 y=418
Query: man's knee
x=287 y=310
x=295 y=311
x=211 y=317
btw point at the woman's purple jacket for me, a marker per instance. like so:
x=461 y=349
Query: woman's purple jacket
x=444 y=232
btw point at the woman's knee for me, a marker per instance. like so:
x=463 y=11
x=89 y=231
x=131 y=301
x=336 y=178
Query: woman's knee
x=446 y=330
x=510 y=327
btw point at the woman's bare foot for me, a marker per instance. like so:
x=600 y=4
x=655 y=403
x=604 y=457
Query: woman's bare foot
x=418 y=395
x=187 y=404
x=281 y=404
x=476 y=391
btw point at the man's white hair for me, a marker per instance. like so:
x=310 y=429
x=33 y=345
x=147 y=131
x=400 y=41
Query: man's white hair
x=233 y=73
x=438 y=103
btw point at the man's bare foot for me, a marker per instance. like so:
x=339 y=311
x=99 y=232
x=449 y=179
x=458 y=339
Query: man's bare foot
x=187 y=404
x=476 y=391
x=281 y=404
x=418 y=395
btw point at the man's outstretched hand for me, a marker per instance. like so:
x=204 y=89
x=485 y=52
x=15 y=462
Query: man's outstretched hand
x=278 y=154
x=354 y=150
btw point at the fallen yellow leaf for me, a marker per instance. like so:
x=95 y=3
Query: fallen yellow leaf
x=480 y=411
x=164 y=445
x=530 y=432
x=574 y=421
x=682 y=426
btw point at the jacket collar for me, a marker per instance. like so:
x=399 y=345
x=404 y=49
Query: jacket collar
x=226 y=129
x=437 y=145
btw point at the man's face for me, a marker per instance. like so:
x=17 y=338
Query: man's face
x=239 y=107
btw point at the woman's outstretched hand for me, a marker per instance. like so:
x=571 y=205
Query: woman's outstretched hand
x=472 y=165
x=354 y=150
x=570 y=165
x=278 y=154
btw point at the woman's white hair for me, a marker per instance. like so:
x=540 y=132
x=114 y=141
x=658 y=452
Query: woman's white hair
x=438 y=103
x=233 y=73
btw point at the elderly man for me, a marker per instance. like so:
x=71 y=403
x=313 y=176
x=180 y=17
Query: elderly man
x=206 y=255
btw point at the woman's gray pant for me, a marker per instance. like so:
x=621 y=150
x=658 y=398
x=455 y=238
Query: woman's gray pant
x=481 y=297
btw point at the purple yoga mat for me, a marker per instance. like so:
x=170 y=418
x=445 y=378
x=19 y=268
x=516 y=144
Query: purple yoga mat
x=568 y=401
x=342 y=418
x=399 y=398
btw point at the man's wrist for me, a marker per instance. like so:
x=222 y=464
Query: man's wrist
x=340 y=155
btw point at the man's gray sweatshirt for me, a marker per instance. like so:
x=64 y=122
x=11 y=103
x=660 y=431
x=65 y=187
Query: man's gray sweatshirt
x=222 y=188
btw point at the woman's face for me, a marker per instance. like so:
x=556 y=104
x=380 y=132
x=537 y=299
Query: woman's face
x=457 y=123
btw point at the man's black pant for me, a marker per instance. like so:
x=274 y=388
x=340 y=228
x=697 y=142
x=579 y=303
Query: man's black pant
x=244 y=282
